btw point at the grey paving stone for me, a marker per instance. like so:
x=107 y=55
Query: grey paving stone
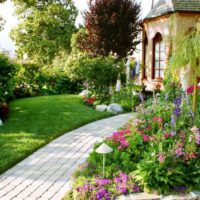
x=46 y=173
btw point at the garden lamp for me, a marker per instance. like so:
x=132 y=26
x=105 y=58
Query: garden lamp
x=104 y=149
x=1 y=123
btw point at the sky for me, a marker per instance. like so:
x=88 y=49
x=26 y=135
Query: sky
x=7 y=10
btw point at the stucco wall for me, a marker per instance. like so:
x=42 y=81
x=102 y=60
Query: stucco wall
x=169 y=27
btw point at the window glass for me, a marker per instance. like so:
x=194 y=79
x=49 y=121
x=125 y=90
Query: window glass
x=157 y=64
x=159 y=56
x=156 y=73
x=161 y=73
x=162 y=64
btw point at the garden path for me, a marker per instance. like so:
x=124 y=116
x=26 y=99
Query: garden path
x=46 y=173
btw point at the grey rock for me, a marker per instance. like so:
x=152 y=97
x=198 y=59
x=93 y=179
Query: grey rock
x=194 y=195
x=84 y=93
x=114 y=108
x=101 y=108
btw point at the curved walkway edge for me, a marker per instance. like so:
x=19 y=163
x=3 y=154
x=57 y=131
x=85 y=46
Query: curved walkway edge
x=46 y=173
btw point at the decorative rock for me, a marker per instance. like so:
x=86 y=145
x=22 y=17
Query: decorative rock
x=101 y=108
x=195 y=195
x=1 y=123
x=84 y=93
x=114 y=108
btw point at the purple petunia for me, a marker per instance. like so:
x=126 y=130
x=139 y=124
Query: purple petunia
x=102 y=181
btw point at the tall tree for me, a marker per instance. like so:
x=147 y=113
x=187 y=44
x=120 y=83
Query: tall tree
x=2 y=22
x=111 y=26
x=45 y=28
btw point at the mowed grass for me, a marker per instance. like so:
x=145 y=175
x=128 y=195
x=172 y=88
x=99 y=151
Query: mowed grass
x=33 y=122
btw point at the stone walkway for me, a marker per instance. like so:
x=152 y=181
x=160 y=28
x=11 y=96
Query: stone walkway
x=45 y=174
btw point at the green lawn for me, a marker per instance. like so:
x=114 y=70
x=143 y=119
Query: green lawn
x=33 y=122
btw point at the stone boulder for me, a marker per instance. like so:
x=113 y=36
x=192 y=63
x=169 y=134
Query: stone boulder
x=101 y=108
x=84 y=93
x=114 y=108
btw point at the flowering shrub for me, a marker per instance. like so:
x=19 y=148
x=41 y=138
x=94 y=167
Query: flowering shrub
x=103 y=188
x=159 y=150
x=89 y=101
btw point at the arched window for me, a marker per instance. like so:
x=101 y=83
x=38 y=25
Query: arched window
x=158 y=57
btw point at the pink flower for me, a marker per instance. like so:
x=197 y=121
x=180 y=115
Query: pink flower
x=158 y=119
x=120 y=138
x=198 y=139
x=194 y=129
x=146 y=138
x=179 y=152
x=161 y=157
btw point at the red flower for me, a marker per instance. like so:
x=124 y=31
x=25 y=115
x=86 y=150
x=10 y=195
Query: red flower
x=167 y=135
x=190 y=89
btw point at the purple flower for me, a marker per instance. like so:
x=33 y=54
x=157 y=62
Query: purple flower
x=103 y=193
x=173 y=133
x=177 y=111
x=136 y=188
x=123 y=190
x=177 y=101
x=173 y=121
x=181 y=190
x=141 y=97
x=102 y=182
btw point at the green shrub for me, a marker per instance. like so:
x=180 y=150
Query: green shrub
x=7 y=72
x=97 y=73
x=33 y=80
x=172 y=87
x=128 y=96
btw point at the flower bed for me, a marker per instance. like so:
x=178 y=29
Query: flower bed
x=158 y=152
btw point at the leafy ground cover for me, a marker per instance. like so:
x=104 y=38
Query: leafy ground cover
x=33 y=122
x=158 y=151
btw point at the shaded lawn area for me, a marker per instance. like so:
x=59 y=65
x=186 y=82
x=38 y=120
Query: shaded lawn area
x=33 y=122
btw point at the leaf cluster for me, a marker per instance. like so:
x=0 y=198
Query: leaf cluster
x=111 y=26
x=45 y=28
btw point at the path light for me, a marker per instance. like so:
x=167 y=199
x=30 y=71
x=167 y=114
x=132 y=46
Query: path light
x=104 y=149
x=1 y=123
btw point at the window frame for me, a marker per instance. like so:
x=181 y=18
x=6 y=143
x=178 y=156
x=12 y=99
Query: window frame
x=157 y=40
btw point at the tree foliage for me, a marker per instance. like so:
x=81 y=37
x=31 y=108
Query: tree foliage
x=2 y=22
x=111 y=26
x=45 y=28
x=187 y=52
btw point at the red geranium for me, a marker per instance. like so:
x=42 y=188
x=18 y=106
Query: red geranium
x=190 y=89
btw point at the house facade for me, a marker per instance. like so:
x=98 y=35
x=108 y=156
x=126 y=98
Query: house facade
x=162 y=25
